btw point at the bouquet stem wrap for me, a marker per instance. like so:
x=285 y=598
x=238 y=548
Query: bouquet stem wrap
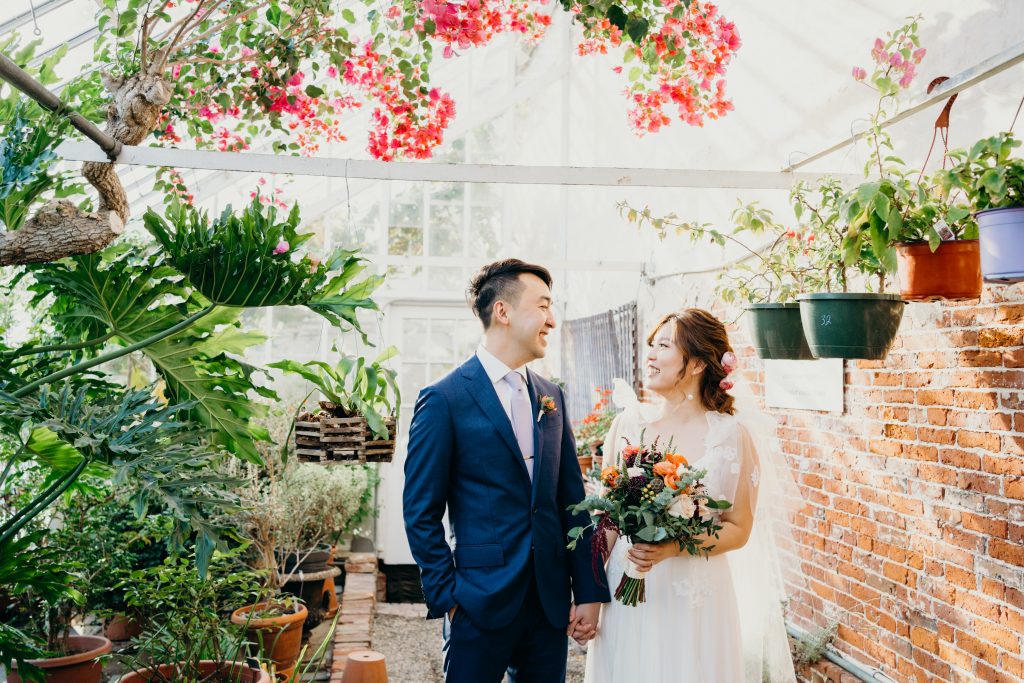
x=632 y=588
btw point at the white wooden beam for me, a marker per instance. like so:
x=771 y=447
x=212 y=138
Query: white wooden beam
x=434 y=172
x=963 y=80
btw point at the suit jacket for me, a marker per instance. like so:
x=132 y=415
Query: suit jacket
x=463 y=455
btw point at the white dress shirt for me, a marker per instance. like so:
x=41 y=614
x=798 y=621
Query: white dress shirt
x=496 y=372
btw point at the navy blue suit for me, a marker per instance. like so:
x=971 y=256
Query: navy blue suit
x=510 y=572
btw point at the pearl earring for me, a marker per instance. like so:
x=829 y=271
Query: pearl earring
x=689 y=397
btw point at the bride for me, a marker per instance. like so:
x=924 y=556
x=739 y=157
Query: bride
x=714 y=619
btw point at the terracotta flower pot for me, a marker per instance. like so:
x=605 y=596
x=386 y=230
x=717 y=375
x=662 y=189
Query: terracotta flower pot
x=121 y=628
x=586 y=463
x=331 y=598
x=279 y=637
x=952 y=272
x=365 y=666
x=81 y=665
x=229 y=673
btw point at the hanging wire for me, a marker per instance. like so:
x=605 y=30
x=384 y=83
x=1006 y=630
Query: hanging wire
x=35 y=22
x=1017 y=114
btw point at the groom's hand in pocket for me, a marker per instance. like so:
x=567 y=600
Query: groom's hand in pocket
x=583 y=621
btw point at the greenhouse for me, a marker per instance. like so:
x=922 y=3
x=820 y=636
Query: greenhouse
x=483 y=340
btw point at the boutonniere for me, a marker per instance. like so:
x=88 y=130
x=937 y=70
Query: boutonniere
x=547 y=406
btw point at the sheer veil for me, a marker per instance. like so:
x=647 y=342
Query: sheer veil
x=769 y=561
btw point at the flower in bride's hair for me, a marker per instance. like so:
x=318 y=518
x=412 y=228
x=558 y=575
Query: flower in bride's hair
x=726 y=384
x=729 y=362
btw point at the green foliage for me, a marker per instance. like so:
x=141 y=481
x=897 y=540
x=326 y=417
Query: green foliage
x=27 y=157
x=140 y=444
x=133 y=297
x=182 y=614
x=775 y=271
x=318 y=504
x=811 y=649
x=987 y=174
x=245 y=259
x=357 y=387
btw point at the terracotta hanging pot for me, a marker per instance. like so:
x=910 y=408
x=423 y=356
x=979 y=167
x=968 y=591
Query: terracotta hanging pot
x=80 y=665
x=952 y=272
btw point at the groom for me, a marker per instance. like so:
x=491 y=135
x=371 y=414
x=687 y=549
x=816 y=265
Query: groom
x=492 y=442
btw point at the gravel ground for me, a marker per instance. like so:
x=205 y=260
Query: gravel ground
x=411 y=646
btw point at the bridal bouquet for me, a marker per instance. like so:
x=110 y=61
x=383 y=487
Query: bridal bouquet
x=653 y=496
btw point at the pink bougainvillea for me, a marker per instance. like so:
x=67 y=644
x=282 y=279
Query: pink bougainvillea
x=234 y=90
x=680 y=63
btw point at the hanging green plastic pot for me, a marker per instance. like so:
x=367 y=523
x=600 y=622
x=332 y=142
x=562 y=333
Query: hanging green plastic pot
x=777 y=332
x=851 y=325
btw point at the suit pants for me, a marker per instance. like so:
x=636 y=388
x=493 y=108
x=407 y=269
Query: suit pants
x=529 y=648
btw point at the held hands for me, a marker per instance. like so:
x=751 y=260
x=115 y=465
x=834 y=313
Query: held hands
x=646 y=555
x=583 y=621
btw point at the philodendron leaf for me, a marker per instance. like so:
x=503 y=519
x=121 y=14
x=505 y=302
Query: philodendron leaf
x=134 y=298
x=248 y=259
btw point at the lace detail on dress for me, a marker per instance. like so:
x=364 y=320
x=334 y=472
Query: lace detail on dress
x=693 y=590
x=755 y=476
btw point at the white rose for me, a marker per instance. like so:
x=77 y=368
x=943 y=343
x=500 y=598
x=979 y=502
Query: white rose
x=704 y=510
x=634 y=472
x=682 y=506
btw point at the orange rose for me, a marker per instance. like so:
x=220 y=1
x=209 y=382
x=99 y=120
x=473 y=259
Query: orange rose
x=677 y=459
x=671 y=480
x=610 y=476
x=663 y=469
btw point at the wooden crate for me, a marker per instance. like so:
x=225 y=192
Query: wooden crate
x=308 y=446
x=384 y=450
x=343 y=437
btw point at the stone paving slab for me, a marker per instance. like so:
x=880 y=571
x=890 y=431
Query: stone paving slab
x=355 y=623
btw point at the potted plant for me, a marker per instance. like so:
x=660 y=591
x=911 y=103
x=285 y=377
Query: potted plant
x=993 y=182
x=913 y=229
x=767 y=281
x=858 y=230
x=360 y=413
x=185 y=637
x=290 y=514
x=591 y=430
x=42 y=580
x=839 y=323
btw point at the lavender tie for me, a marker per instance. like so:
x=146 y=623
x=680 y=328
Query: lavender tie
x=522 y=418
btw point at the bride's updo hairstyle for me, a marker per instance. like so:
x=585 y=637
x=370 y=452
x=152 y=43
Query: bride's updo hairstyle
x=701 y=336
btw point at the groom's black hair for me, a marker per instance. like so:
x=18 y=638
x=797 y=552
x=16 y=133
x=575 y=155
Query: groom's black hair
x=500 y=280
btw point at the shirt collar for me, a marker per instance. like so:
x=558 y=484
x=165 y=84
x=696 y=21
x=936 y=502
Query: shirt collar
x=495 y=369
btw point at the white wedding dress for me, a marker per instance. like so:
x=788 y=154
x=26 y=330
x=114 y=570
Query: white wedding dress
x=703 y=621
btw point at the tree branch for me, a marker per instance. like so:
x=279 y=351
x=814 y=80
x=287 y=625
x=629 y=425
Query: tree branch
x=216 y=29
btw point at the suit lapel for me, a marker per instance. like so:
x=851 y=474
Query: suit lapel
x=538 y=437
x=482 y=391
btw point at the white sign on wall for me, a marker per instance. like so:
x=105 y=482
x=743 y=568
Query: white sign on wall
x=804 y=384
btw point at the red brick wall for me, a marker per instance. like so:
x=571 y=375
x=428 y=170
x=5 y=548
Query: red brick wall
x=913 y=531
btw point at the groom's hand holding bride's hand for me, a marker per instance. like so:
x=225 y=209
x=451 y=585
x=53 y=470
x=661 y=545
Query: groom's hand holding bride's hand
x=583 y=621
x=646 y=555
